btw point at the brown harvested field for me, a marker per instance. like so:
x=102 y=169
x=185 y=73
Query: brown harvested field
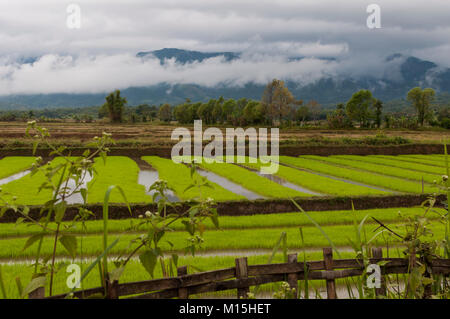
x=157 y=134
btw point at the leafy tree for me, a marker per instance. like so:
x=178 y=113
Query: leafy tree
x=165 y=113
x=114 y=106
x=339 y=119
x=302 y=114
x=252 y=113
x=205 y=111
x=277 y=100
x=378 y=105
x=314 y=109
x=421 y=100
x=217 y=111
x=359 y=107
x=227 y=110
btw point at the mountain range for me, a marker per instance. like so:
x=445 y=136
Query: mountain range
x=328 y=91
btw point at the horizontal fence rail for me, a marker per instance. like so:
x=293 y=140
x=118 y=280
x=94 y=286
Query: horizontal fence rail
x=243 y=276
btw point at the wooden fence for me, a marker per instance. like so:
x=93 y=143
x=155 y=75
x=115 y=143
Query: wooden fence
x=243 y=276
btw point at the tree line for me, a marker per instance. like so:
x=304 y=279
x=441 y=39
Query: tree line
x=277 y=107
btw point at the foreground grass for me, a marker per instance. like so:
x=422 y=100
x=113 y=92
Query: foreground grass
x=121 y=171
x=368 y=178
x=178 y=178
x=14 y=164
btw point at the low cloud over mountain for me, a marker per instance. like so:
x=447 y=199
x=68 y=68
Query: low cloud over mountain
x=171 y=75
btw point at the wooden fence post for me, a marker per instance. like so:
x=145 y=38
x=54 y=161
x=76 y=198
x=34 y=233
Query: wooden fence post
x=38 y=293
x=377 y=254
x=328 y=262
x=182 y=292
x=242 y=273
x=292 y=278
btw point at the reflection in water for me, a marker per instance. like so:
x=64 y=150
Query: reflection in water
x=148 y=177
x=11 y=178
x=225 y=183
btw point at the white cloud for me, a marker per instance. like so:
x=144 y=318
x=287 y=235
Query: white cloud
x=113 y=31
x=101 y=73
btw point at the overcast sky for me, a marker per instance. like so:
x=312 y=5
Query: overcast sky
x=100 y=55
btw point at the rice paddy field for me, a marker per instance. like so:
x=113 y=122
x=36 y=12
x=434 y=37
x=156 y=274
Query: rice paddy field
x=254 y=236
x=304 y=176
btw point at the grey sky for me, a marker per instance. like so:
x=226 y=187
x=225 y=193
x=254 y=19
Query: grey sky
x=112 y=32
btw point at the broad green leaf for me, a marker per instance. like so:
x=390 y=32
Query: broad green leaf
x=30 y=241
x=70 y=244
x=60 y=210
x=148 y=260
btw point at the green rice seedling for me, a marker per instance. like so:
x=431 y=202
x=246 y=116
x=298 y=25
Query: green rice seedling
x=387 y=182
x=11 y=165
x=262 y=238
x=431 y=157
x=379 y=167
x=317 y=183
x=2 y=285
x=405 y=163
x=179 y=179
x=324 y=218
x=427 y=162
x=251 y=180
x=117 y=170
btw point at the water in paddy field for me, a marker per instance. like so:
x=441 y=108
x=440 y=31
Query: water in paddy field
x=76 y=198
x=285 y=183
x=147 y=177
x=11 y=178
x=225 y=183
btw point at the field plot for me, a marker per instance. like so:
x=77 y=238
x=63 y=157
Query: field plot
x=434 y=158
x=26 y=189
x=255 y=232
x=345 y=217
x=178 y=178
x=422 y=165
x=252 y=236
x=321 y=184
x=14 y=164
x=251 y=180
x=357 y=162
x=121 y=171
x=369 y=178
x=136 y=272
x=407 y=159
